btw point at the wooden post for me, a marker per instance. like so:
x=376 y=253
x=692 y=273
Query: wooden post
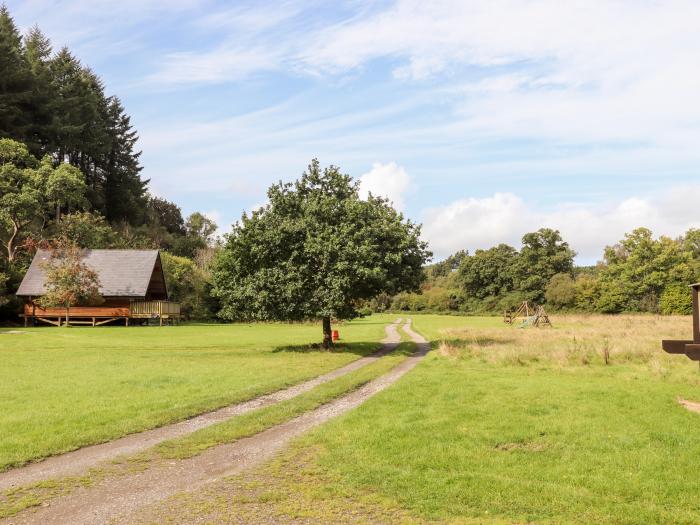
x=93 y=321
x=696 y=315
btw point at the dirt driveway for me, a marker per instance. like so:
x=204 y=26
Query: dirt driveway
x=116 y=499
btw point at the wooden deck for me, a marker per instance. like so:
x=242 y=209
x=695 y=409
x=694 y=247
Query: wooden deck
x=163 y=311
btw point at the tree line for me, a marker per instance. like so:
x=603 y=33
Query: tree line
x=69 y=169
x=640 y=273
x=70 y=172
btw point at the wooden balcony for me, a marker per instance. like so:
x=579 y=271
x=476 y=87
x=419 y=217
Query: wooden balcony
x=112 y=309
x=154 y=310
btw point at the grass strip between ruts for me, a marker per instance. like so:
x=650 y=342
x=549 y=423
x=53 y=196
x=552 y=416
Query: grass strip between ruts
x=264 y=418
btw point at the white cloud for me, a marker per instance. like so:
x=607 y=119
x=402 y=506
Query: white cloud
x=612 y=73
x=386 y=180
x=584 y=71
x=475 y=223
x=224 y=64
x=102 y=24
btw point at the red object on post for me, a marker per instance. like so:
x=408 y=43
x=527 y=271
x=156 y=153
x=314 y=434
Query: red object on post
x=336 y=335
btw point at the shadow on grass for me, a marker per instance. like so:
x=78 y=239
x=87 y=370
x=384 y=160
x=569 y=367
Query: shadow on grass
x=340 y=347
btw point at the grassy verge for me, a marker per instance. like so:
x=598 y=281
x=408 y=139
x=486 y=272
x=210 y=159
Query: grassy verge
x=61 y=389
x=264 y=418
x=15 y=500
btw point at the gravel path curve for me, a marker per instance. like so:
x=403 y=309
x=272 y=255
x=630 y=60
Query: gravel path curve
x=117 y=499
x=80 y=460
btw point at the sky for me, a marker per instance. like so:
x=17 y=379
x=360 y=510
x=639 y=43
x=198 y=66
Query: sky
x=482 y=120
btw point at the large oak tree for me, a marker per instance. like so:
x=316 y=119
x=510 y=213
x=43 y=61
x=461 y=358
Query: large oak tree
x=315 y=251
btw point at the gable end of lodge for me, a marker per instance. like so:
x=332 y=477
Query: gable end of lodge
x=132 y=284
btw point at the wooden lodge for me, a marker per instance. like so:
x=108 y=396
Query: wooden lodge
x=690 y=347
x=132 y=284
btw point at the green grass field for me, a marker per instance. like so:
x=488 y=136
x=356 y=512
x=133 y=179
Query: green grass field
x=500 y=424
x=575 y=424
x=62 y=388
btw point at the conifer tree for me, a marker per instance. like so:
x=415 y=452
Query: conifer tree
x=37 y=51
x=15 y=80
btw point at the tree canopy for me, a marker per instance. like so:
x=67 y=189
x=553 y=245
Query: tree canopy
x=640 y=273
x=58 y=107
x=69 y=281
x=315 y=251
x=70 y=168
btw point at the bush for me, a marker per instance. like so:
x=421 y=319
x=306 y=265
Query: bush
x=612 y=299
x=189 y=285
x=586 y=292
x=561 y=291
x=676 y=299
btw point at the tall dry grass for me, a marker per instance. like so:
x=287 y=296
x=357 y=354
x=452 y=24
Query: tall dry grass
x=574 y=340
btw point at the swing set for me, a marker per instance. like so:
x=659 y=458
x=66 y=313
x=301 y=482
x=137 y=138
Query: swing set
x=527 y=315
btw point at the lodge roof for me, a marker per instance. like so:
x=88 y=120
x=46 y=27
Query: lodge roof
x=122 y=273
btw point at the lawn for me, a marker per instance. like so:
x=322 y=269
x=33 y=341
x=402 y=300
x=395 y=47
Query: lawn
x=62 y=388
x=501 y=424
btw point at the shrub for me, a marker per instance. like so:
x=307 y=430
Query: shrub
x=189 y=285
x=561 y=291
x=676 y=299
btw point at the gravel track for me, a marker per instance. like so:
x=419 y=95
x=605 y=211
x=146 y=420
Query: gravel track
x=79 y=461
x=119 y=499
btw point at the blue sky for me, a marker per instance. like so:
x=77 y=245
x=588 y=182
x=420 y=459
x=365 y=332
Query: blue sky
x=480 y=119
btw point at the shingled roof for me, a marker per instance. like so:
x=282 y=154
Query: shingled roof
x=122 y=273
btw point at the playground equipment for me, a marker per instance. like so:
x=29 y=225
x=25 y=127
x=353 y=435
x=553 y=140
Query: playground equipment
x=528 y=315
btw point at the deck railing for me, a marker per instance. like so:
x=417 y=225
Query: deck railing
x=154 y=309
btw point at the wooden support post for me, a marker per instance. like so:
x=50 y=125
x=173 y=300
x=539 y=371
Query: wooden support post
x=93 y=321
x=696 y=315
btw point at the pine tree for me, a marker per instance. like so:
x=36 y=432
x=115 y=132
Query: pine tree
x=125 y=191
x=37 y=52
x=15 y=80
x=58 y=107
x=68 y=84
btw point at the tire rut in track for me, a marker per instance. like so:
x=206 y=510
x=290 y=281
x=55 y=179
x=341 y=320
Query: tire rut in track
x=116 y=499
x=79 y=461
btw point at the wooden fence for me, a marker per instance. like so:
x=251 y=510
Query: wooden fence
x=154 y=309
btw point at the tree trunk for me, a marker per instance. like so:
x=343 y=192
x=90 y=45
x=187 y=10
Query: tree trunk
x=67 y=315
x=327 y=335
x=11 y=249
